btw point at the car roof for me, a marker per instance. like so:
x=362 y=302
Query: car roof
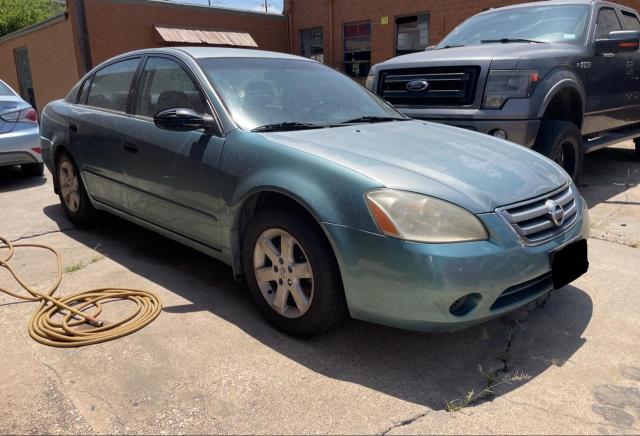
x=215 y=52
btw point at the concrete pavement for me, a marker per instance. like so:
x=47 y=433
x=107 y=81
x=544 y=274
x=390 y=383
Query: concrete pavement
x=210 y=364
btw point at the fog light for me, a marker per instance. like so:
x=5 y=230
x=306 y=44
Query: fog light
x=464 y=305
x=499 y=133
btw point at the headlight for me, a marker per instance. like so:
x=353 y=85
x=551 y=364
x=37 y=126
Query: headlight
x=503 y=85
x=369 y=83
x=419 y=218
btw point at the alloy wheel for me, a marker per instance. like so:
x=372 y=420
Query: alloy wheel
x=69 y=185
x=283 y=273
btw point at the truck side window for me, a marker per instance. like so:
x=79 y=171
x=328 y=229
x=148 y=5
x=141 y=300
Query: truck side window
x=631 y=21
x=607 y=22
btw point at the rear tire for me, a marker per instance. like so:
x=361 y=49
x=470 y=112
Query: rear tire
x=561 y=141
x=321 y=306
x=32 y=170
x=72 y=193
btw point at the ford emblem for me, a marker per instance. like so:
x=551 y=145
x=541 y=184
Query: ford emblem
x=417 y=85
x=555 y=212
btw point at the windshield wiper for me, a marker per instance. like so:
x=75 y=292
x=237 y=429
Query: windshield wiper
x=508 y=40
x=373 y=119
x=288 y=125
x=450 y=46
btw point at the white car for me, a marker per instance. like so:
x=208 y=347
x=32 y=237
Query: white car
x=19 y=133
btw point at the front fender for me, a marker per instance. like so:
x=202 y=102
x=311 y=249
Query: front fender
x=555 y=82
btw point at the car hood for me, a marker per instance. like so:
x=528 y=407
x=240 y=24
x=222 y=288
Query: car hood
x=503 y=55
x=473 y=170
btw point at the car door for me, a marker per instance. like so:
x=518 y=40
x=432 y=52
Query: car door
x=606 y=80
x=631 y=22
x=95 y=130
x=172 y=177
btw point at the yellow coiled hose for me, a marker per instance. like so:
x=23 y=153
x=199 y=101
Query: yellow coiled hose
x=56 y=320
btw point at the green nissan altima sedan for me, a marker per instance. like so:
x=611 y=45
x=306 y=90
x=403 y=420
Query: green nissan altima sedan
x=322 y=196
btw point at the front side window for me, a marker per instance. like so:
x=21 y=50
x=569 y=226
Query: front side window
x=544 y=23
x=259 y=92
x=412 y=34
x=166 y=85
x=607 y=22
x=111 y=85
x=357 y=49
x=312 y=44
x=631 y=21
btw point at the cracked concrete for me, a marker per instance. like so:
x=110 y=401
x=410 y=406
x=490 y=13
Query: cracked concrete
x=210 y=364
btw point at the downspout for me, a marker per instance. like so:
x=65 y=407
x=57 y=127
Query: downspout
x=83 y=36
x=289 y=6
x=331 y=48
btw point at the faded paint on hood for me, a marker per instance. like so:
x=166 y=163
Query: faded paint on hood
x=470 y=169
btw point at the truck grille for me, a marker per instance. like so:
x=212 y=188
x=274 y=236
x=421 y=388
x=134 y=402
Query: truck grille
x=533 y=219
x=447 y=86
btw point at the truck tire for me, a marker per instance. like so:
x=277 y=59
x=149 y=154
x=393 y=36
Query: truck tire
x=561 y=141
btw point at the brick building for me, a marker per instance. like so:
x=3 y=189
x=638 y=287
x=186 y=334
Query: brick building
x=45 y=60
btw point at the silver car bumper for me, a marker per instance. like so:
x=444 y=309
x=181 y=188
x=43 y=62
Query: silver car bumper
x=20 y=147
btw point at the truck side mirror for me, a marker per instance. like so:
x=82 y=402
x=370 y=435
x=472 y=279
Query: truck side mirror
x=618 y=41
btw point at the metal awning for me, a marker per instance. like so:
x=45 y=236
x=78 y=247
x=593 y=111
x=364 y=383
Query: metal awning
x=187 y=35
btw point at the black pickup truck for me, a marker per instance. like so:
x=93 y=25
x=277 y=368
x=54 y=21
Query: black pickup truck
x=561 y=77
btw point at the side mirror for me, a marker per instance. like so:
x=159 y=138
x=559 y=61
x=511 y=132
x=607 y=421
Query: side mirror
x=618 y=41
x=183 y=119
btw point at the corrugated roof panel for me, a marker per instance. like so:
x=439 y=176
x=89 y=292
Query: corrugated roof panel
x=205 y=36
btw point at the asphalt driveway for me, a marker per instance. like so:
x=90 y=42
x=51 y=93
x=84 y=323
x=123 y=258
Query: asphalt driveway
x=210 y=364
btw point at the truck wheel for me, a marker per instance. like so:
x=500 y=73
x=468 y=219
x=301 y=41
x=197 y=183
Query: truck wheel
x=292 y=274
x=561 y=141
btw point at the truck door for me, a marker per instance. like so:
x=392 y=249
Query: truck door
x=631 y=22
x=606 y=80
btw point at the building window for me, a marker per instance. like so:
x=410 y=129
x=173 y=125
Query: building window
x=357 y=49
x=312 y=44
x=412 y=33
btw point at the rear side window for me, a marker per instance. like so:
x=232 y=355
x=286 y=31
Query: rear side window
x=607 y=22
x=84 y=91
x=5 y=90
x=110 y=85
x=631 y=21
x=165 y=85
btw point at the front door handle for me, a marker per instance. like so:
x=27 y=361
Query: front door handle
x=73 y=127
x=131 y=148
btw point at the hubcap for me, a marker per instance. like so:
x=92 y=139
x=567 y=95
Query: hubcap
x=283 y=273
x=69 y=186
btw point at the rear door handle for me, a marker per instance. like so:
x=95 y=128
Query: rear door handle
x=73 y=127
x=131 y=148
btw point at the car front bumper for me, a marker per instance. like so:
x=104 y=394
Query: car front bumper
x=20 y=147
x=413 y=285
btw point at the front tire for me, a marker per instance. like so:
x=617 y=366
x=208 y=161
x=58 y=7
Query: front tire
x=561 y=141
x=292 y=274
x=32 y=170
x=72 y=193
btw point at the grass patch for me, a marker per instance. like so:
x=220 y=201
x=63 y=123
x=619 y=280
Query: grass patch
x=492 y=382
x=78 y=266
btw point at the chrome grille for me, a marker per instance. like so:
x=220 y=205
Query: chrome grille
x=447 y=86
x=532 y=220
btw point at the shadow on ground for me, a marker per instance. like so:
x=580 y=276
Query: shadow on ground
x=426 y=369
x=11 y=179
x=607 y=173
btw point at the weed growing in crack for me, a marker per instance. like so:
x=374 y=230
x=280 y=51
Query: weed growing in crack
x=492 y=383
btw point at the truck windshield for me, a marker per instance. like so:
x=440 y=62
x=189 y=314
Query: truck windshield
x=271 y=94
x=544 y=23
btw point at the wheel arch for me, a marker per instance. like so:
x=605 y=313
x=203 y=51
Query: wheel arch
x=564 y=101
x=260 y=199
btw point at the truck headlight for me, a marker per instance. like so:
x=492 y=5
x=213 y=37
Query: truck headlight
x=420 y=218
x=505 y=84
x=369 y=83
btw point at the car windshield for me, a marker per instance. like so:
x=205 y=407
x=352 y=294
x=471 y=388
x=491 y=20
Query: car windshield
x=5 y=90
x=291 y=94
x=544 y=23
